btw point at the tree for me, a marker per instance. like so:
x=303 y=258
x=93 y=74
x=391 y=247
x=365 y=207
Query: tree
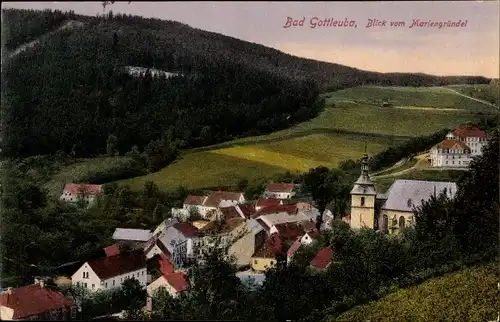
x=132 y=296
x=111 y=144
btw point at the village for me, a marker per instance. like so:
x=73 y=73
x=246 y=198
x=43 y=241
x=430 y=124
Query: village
x=256 y=234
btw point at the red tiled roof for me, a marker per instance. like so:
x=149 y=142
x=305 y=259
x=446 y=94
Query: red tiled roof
x=187 y=229
x=322 y=259
x=229 y=213
x=289 y=231
x=280 y=187
x=215 y=197
x=271 y=248
x=467 y=131
x=112 y=250
x=90 y=189
x=122 y=263
x=295 y=246
x=291 y=209
x=194 y=200
x=165 y=266
x=267 y=202
x=452 y=144
x=313 y=233
x=247 y=209
x=177 y=280
x=33 y=300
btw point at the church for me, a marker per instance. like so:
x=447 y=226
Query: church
x=392 y=211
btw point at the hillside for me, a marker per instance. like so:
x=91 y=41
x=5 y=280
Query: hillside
x=467 y=295
x=68 y=91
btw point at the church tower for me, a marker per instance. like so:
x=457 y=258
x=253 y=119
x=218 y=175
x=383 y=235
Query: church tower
x=363 y=196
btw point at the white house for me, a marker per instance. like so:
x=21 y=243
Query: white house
x=279 y=190
x=450 y=154
x=110 y=272
x=174 y=283
x=207 y=206
x=178 y=242
x=86 y=193
x=470 y=134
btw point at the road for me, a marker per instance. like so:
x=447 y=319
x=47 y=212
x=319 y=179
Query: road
x=470 y=97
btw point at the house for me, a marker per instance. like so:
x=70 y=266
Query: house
x=373 y=210
x=287 y=231
x=267 y=202
x=228 y=230
x=293 y=249
x=309 y=237
x=470 y=134
x=275 y=209
x=247 y=209
x=133 y=237
x=403 y=196
x=266 y=256
x=244 y=247
x=85 y=193
x=282 y=217
x=164 y=225
x=279 y=190
x=207 y=206
x=35 y=302
x=173 y=282
x=450 y=154
x=178 y=242
x=323 y=259
x=110 y=272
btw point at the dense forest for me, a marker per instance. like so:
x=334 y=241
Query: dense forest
x=69 y=92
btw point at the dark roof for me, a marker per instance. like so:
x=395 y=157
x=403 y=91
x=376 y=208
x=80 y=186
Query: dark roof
x=322 y=259
x=229 y=212
x=222 y=226
x=267 y=202
x=247 y=209
x=271 y=248
x=194 y=200
x=33 y=300
x=187 y=229
x=289 y=231
x=122 y=263
x=280 y=187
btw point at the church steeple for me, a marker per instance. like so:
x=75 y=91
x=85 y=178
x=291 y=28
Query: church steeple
x=363 y=196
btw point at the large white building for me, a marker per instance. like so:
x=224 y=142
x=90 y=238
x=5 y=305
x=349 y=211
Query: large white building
x=110 y=272
x=459 y=147
x=208 y=206
x=85 y=193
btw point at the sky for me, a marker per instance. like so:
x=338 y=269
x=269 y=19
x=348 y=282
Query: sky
x=471 y=49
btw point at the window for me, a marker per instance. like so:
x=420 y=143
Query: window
x=93 y=286
x=85 y=285
x=255 y=262
x=401 y=222
x=385 y=223
x=142 y=273
x=362 y=201
x=113 y=282
x=106 y=285
x=272 y=262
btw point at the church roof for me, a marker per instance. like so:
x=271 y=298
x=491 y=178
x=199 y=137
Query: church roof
x=364 y=186
x=403 y=195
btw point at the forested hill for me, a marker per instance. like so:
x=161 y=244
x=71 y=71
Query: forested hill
x=68 y=91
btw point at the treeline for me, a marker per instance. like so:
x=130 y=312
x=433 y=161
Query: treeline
x=70 y=93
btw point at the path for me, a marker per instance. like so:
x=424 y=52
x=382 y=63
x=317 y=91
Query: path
x=470 y=97
x=67 y=25
x=421 y=160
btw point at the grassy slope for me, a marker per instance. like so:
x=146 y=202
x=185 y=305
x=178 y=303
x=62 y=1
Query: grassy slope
x=339 y=133
x=467 y=295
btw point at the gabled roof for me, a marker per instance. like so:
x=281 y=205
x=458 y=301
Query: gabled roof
x=112 y=250
x=158 y=242
x=254 y=226
x=230 y=212
x=165 y=224
x=280 y=187
x=132 y=234
x=267 y=202
x=215 y=197
x=295 y=246
x=247 y=209
x=187 y=229
x=223 y=226
x=403 y=195
x=89 y=189
x=322 y=259
x=165 y=266
x=452 y=144
x=271 y=248
x=177 y=280
x=32 y=300
x=289 y=231
x=122 y=263
x=469 y=130
x=195 y=200
x=291 y=209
